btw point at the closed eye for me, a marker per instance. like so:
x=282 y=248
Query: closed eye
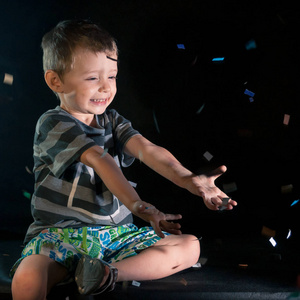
x=92 y=78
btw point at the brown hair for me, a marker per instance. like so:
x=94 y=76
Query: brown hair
x=60 y=43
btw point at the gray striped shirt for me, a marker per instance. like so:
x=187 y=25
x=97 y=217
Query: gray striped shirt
x=67 y=192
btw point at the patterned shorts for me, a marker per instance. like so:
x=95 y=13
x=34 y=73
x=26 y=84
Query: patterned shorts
x=109 y=243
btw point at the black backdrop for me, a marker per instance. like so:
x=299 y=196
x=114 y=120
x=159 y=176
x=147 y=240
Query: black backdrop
x=178 y=98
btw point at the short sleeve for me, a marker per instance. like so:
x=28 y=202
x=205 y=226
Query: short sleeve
x=123 y=131
x=59 y=141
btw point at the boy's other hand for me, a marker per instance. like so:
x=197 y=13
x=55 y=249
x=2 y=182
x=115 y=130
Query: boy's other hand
x=158 y=220
x=204 y=186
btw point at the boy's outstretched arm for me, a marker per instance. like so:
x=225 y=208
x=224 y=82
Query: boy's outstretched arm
x=163 y=162
x=106 y=168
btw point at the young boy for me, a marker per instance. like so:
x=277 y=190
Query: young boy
x=82 y=204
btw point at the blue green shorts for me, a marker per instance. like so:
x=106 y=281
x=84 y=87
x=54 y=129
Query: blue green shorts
x=109 y=243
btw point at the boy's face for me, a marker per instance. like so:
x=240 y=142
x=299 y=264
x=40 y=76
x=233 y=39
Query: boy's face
x=90 y=86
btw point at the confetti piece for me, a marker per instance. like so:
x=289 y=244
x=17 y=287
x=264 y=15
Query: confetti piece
x=229 y=187
x=224 y=203
x=141 y=156
x=272 y=241
x=243 y=266
x=133 y=184
x=197 y=265
x=200 y=109
x=155 y=122
x=268 y=232
x=249 y=93
x=285 y=189
x=203 y=260
x=28 y=170
x=183 y=281
x=8 y=79
x=295 y=202
x=149 y=207
x=251 y=44
x=104 y=153
x=289 y=234
x=26 y=194
x=194 y=61
x=208 y=156
x=218 y=59
x=4 y=254
x=251 y=99
x=136 y=283
x=181 y=46
x=286 y=119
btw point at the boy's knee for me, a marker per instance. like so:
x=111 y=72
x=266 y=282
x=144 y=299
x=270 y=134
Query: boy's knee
x=192 y=246
x=29 y=284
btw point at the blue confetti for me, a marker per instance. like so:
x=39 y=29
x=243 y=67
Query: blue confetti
x=218 y=59
x=181 y=46
x=295 y=202
x=249 y=93
x=250 y=45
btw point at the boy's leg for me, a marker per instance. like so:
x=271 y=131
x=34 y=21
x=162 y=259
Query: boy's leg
x=35 y=276
x=170 y=255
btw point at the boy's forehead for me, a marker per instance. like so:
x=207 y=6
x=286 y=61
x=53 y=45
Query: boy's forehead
x=80 y=55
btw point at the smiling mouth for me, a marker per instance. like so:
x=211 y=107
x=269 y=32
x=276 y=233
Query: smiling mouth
x=100 y=101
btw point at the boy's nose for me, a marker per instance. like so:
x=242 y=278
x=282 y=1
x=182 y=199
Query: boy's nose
x=105 y=87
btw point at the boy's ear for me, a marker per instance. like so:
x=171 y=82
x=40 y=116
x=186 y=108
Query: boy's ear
x=53 y=81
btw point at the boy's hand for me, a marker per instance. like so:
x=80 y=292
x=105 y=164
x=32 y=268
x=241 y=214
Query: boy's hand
x=204 y=186
x=157 y=219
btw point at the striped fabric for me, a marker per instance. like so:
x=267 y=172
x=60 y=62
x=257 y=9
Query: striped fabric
x=67 y=192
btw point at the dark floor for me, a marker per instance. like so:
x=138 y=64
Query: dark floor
x=232 y=268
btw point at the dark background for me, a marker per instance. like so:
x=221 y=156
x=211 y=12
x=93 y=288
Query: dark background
x=160 y=89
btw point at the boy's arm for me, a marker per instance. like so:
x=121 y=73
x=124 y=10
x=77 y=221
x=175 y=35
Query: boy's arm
x=107 y=169
x=165 y=164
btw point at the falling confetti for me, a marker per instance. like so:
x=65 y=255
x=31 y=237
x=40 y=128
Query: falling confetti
x=136 y=283
x=249 y=93
x=208 y=156
x=8 y=79
x=200 y=109
x=218 y=59
x=181 y=46
x=251 y=44
x=224 y=203
x=155 y=122
x=26 y=194
x=133 y=184
x=243 y=266
x=229 y=187
x=285 y=189
x=141 y=156
x=196 y=266
x=286 y=119
x=183 y=281
x=268 y=232
x=104 y=153
x=28 y=170
x=295 y=202
x=272 y=241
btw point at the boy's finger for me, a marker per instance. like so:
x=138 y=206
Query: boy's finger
x=173 y=217
x=157 y=230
